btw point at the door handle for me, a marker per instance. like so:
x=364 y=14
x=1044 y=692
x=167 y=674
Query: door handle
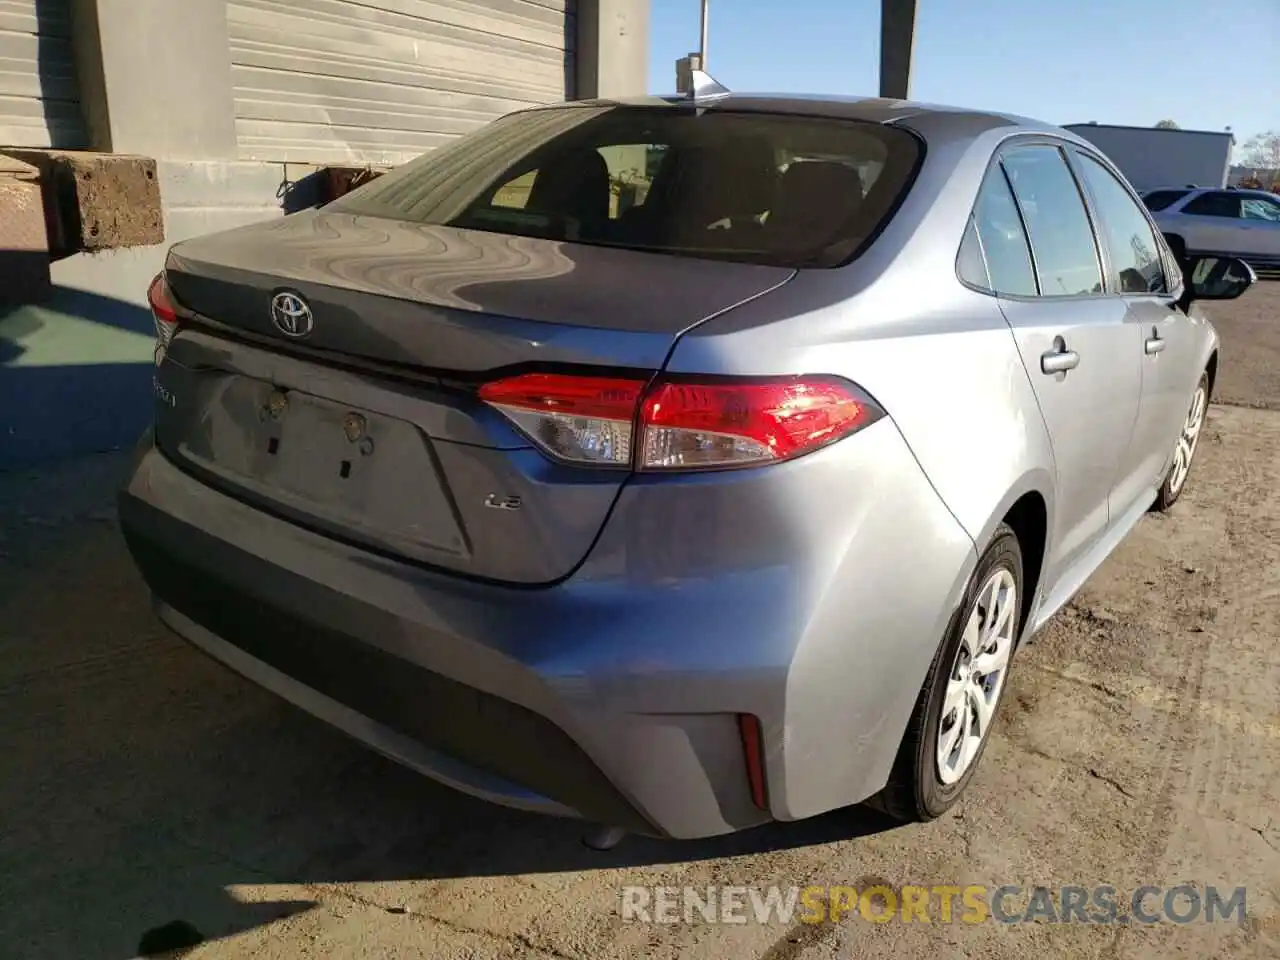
x=1154 y=344
x=1059 y=359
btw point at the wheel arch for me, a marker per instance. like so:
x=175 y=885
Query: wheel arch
x=1027 y=508
x=1211 y=368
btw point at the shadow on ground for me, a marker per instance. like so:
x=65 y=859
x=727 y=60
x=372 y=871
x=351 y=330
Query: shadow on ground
x=75 y=377
x=148 y=792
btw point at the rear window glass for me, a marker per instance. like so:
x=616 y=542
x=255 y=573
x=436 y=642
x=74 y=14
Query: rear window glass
x=762 y=188
x=1160 y=199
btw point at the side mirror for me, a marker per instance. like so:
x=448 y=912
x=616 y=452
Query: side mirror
x=1218 y=278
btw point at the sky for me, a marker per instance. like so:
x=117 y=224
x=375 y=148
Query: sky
x=1205 y=64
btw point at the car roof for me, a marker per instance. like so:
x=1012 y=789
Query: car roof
x=957 y=120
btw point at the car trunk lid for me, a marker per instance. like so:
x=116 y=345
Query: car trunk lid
x=367 y=429
x=448 y=299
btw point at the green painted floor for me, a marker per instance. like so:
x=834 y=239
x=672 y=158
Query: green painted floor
x=75 y=377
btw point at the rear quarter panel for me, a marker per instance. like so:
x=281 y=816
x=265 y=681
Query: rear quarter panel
x=943 y=363
x=953 y=384
x=939 y=357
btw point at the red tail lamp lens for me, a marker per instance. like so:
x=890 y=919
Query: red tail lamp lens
x=691 y=425
x=163 y=313
x=683 y=425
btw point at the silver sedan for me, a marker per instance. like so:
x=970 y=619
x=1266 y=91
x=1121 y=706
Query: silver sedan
x=675 y=464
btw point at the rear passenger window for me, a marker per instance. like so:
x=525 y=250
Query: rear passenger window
x=1004 y=243
x=1213 y=205
x=1062 y=242
x=1160 y=199
x=1135 y=257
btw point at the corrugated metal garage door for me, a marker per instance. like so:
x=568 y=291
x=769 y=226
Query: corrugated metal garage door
x=381 y=81
x=39 y=99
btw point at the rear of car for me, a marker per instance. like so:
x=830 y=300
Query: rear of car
x=417 y=467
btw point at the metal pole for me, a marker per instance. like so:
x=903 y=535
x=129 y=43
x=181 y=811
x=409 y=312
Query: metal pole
x=897 y=38
x=702 y=45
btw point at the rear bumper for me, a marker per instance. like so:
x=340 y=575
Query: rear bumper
x=613 y=696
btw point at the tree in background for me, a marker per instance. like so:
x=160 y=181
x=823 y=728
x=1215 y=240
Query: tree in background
x=1168 y=125
x=1262 y=151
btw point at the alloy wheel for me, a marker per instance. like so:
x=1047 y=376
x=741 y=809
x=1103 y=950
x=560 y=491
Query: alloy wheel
x=1187 y=441
x=977 y=676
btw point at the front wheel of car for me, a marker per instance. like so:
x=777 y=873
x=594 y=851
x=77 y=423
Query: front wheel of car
x=958 y=703
x=1184 y=449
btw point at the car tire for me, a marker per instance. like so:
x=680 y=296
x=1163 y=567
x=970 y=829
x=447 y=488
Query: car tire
x=1188 y=442
x=919 y=789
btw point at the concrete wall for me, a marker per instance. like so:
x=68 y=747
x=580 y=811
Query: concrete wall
x=612 y=48
x=75 y=373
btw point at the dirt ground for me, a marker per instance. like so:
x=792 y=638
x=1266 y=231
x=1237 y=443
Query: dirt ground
x=146 y=794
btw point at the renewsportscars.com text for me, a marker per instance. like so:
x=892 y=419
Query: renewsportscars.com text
x=1009 y=903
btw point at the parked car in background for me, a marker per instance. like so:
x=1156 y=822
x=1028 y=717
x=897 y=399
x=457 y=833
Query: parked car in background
x=730 y=506
x=1221 y=222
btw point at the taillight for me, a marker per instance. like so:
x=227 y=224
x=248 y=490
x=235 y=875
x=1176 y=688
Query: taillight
x=165 y=316
x=580 y=419
x=681 y=424
x=730 y=424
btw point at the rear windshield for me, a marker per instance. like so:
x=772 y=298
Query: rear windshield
x=1159 y=199
x=761 y=188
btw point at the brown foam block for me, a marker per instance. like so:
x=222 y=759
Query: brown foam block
x=97 y=201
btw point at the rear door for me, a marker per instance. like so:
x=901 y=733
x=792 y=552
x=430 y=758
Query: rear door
x=1210 y=223
x=1169 y=358
x=1078 y=350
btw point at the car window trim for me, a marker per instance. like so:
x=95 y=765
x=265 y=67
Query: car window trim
x=972 y=224
x=993 y=162
x=1026 y=233
x=1073 y=153
x=1100 y=240
x=1059 y=144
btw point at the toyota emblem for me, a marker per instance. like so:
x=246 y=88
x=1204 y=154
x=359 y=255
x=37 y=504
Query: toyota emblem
x=290 y=314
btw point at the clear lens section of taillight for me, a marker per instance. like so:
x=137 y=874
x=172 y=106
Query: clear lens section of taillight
x=682 y=425
x=729 y=424
x=165 y=316
x=579 y=419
